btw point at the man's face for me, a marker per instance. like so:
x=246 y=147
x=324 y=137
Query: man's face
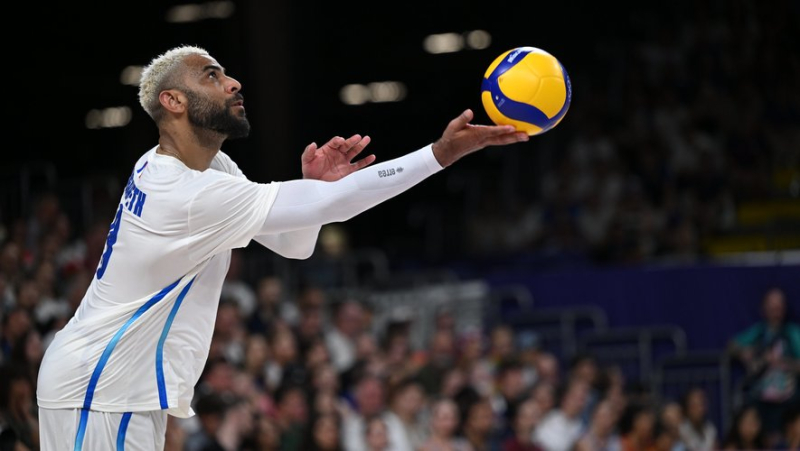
x=215 y=103
x=774 y=307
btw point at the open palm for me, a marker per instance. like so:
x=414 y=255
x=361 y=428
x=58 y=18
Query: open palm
x=334 y=159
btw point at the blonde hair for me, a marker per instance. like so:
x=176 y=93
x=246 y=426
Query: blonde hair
x=161 y=74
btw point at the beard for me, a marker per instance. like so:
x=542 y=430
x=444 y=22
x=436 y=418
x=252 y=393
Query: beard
x=207 y=115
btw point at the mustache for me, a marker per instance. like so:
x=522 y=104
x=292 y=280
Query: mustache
x=238 y=97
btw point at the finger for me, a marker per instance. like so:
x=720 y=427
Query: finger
x=509 y=138
x=308 y=153
x=461 y=121
x=358 y=147
x=350 y=142
x=496 y=130
x=364 y=162
x=335 y=143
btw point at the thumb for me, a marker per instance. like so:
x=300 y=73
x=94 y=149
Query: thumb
x=461 y=121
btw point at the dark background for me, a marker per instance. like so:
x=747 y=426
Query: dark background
x=293 y=57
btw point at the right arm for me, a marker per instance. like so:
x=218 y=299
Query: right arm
x=305 y=203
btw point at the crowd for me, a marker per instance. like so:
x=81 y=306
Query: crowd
x=666 y=139
x=305 y=370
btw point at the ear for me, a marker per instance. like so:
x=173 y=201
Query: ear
x=173 y=100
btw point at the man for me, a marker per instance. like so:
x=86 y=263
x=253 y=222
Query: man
x=770 y=351
x=136 y=346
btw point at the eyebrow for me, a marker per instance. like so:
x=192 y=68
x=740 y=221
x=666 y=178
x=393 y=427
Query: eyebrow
x=213 y=67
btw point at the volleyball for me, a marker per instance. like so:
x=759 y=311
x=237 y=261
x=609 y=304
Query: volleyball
x=528 y=88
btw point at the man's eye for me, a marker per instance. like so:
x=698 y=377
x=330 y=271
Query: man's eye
x=212 y=74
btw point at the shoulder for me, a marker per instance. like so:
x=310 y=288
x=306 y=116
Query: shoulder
x=224 y=163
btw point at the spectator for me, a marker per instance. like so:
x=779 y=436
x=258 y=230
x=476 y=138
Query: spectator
x=697 y=432
x=376 y=435
x=527 y=417
x=770 y=351
x=529 y=346
x=664 y=438
x=369 y=397
x=509 y=392
x=267 y=435
x=18 y=417
x=269 y=300
x=229 y=332
x=341 y=338
x=562 y=427
x=256 y=356
x=670 y=418
x=746 y=432
x=443 y=426
x=292 y=415
x=284 y=366
x=544 y=394
x=236 y=426
x=406 y=405
x=601 y=434
x=637 y=428
x=439 y=361
x=27 y=355
x=310 y=327
x=325 y=434
x=584 y=367
x=479 y=427
x=210 y=410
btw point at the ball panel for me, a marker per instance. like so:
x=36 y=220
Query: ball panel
x=519 y=84
x=495 y=63
x=550 y=96
x=500 y=119
x=544 y=65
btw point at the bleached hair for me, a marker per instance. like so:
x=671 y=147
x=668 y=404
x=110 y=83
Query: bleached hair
x=160 y=74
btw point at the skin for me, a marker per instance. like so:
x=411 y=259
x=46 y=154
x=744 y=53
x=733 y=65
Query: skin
x=196 y=146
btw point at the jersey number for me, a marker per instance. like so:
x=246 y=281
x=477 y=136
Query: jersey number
x=110 y=241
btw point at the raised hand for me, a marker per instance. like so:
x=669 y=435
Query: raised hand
x=334 y=159
x=461 y=138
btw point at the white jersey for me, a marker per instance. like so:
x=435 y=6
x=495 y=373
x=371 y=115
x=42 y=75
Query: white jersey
x=140 y=338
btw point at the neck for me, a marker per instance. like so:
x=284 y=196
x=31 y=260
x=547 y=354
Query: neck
x=194 y=148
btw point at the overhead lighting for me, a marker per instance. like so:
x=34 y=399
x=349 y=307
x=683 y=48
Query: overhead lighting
x=443 y=43
x=478 y=39
x=108 y=117
x=200 y=11
x=376 y=92
x=131 y=75
x=455 y=42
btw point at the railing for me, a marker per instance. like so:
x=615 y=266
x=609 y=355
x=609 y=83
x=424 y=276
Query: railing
x=712 y=370
x=634 y=348
x=558 y=330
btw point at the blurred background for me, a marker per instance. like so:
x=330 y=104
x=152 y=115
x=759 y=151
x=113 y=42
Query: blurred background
x=646 y=249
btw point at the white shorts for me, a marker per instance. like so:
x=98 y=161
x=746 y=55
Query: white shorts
x=76 y=430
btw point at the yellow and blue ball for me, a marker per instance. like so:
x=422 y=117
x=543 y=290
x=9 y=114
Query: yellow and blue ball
x=528 y=88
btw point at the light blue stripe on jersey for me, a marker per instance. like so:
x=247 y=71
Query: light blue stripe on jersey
x=162 y=386
x=123 y=429
x=81 y=429
x=87 y=402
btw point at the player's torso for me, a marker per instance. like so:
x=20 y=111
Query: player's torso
x=142 y=331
